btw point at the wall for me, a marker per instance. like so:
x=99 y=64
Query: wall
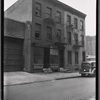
x=70 y=47
x=90 y=45
x=14 y=28
x=20 y=11
x=43 y=24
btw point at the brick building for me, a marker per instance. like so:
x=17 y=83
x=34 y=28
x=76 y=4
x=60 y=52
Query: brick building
x=35 y=35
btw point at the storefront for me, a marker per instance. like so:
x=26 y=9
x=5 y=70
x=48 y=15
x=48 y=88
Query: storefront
x=38 y=58
x=54 y=59
x=47 y=57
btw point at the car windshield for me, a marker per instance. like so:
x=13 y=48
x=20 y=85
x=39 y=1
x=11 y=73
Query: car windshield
x=85 y=64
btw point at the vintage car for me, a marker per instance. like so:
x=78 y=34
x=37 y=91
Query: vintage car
x=88 y=68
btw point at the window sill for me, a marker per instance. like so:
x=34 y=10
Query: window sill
x=37 y=38
x=38 y=16
x=48 y=40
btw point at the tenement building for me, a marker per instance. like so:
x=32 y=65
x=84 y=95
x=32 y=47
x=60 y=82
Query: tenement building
x=74 y=36
x=43 y=34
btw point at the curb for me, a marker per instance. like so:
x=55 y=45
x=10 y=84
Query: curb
x=66 y=78
x=43 y=80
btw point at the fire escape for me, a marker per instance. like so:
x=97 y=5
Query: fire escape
x=77 y=44
x=52 y=22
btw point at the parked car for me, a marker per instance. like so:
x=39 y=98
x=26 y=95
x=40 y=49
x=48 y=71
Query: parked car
x=88 y=68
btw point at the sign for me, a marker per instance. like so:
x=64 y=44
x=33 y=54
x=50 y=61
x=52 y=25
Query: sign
x=38 y=66
x=53 y=52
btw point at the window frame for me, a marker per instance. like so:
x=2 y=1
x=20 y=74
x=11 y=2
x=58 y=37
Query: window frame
x=59 y=35
x=69 y=38
x=50 y=14
x=38 y=10
x=48 y=33
x=82 y=40
x=38 y=31
x=68 y=20
x=69 y=57
x=76 y=38
x=81 y=25
x=59 y=17
x=76 y=58
x=75 y=23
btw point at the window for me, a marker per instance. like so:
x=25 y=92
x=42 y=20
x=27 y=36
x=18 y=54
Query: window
x=38 y=55
x=76 y=39
x=81 y=25
x=54 y=58
x=69 y=57
x=68 y=20
x=49 y=12
x=75 y=23
x=76 y=57
x=37 y=30
x=59 y=34
x=69 y=37
x=58 y=16
x=49 y=33
x=38 y=9
x=82 y=41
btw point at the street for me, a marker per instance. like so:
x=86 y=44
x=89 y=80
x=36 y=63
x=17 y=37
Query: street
x=79 y=88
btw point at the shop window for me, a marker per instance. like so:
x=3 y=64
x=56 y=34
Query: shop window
x=75 y=23
x=37 y=30
x=69 y=57
x=76 y=57
x=68 y=20
x=54 y=56
x=81 y=25
x=49 y=33
x=49 y=12
x=38 y=9
x=38 y=55
x=69 y=37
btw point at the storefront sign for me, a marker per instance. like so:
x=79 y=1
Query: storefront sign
x=54 y=66
x=53 y=52
x=38 y=66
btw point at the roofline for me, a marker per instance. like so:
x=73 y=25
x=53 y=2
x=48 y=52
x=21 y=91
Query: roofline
x=13 y=20
x=16 y=4
x=65 y=7
x=62 y=5
x=73 y=10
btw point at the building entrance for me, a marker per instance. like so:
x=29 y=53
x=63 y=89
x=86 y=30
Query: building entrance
x=46 y=58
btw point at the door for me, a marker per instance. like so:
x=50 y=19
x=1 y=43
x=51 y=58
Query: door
x=61 y=55
x=46 y=58
x=13 y=54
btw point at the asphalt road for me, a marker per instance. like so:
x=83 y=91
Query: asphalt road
x=78 y=88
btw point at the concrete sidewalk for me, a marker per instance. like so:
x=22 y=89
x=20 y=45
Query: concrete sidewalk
x=17 y=78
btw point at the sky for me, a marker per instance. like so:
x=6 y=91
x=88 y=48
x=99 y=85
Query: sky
x=87 y=7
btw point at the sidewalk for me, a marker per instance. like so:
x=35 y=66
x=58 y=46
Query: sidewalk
x=17 y=78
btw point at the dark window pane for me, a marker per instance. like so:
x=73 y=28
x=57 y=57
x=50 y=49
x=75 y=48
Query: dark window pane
x=38 y=9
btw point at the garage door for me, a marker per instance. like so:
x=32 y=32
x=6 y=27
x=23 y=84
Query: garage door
x=13 y=54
